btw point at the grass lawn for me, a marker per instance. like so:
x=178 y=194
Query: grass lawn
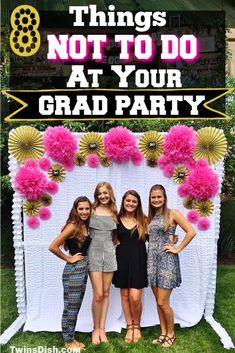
x=198 y=339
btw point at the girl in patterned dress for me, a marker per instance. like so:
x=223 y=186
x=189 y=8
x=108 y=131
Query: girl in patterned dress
x=102 y=257
x=74 y=236
x=163 y=260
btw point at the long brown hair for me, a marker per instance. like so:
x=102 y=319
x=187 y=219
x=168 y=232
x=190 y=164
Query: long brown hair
x=76 y=220
x=112 y=202
x=152 y=210
x=139 y=215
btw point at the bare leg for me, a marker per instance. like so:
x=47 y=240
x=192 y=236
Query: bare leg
x=107 y=279
x=136 y=309
x=126 y=307
x=97 y=286
x=163 y=303
x=160 y=314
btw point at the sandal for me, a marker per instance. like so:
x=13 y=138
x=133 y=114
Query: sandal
x=103 y=337
x=169 y=341
x=95 y=337
x=72 y=347
x=159 y=340
x=136 y=327
x=79 y=344
x=127 y=339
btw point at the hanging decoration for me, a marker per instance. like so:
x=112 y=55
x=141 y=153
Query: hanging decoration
x=57 y=173
x=180 y=174
x=31 y=208
x=179 y=144
x=204 y=207
x=46 y=199
x=211 y=144
x=93 y=160
x=105 y=162
x=61 y=145
x=91 y=143
x=44 y=163
x=188 y=202
x=120 y=144
x=79 y=160
x=182 y=154
x=25 y=142
x=151 y=145
x=30 y=183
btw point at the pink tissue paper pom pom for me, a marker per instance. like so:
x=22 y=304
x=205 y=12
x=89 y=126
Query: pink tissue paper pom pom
x=30 y=182
x=179 y=143
x=52 y=187
x=168 y=170
x=30 y=163
x=119 y=144
x=203 y=183
x=202 y=163
x=193 y=216
x=69 y=165
x=137 y=158
x=44 y=163
x=190 y=164
x=162 y=161
x=60 y=144
x=44 y=213
x=204 y=223
x=93 y=160
x=33 y=222
x=183 y=190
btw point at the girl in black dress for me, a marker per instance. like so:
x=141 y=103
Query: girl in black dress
x=131 y=275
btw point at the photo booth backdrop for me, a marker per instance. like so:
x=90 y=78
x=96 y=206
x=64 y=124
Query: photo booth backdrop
x=39 y=272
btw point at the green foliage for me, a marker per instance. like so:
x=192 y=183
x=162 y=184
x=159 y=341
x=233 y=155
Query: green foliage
x=197 y=339
x=226 y=243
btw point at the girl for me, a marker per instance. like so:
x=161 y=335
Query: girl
x=102 y=258
x=76 y=239
x=163 y=260
x=131 y=275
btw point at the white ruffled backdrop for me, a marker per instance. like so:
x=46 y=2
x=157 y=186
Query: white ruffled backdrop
x=43 y=269
x=38 y=272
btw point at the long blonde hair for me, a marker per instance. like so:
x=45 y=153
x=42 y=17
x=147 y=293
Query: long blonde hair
x=152 y=210
x=112 y=202
x=139 y=214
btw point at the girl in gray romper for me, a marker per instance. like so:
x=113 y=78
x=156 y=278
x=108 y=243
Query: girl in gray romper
x=102 y=257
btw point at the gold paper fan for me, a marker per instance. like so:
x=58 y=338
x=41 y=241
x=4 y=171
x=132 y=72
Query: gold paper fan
x=188 y=202
x=25 y=142
x=204 y=207
x=91 y=142
x=211 y=144
x=150 y=144
x=79 y=159
x=46 y=199
x=31 y=207
x=57 y=173
x=180 y=174
x=106 y=162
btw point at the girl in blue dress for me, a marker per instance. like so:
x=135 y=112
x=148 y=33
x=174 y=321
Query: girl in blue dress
x=163 y=260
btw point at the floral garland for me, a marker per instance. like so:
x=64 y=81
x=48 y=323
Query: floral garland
x=183 y=155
